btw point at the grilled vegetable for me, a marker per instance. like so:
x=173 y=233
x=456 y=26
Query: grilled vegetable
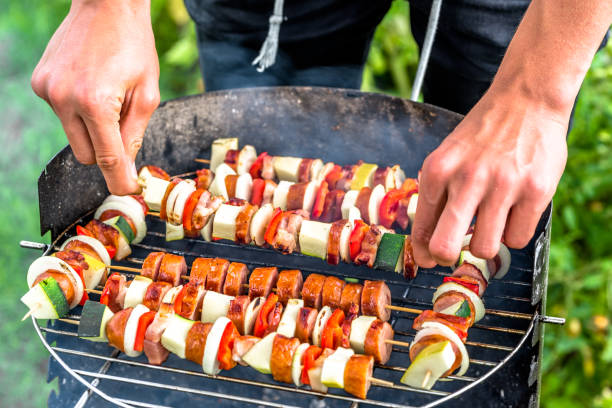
x=46 y=300
x=219 y=149
x=332 y=374
x=390 y=254
x=175 y=334
x=431 y=363
x=259 y=355
x=314 y=236
x=94 y=317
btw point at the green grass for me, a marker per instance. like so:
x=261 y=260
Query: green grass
x=578 y=357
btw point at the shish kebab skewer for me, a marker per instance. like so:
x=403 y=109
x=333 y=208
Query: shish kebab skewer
x=217 y=345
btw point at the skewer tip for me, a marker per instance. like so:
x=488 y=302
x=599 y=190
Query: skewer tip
x=27 y=315
x=426 y=378
x=378 y=381
x=205 y=161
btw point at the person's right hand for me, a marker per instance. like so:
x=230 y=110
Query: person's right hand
x=100 y=74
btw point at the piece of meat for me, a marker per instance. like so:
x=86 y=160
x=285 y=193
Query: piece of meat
x=104 y=233
x=410 y=266
x=305 y=323
x=262 y=281
x=207 y=205
x=289 y=285
x=236 y=279
x=154 y=294
x=151 y=264
x=230 y=185
x=171 y=269
x=402 y=219
x=362 y=203
x=375 y=297
x=380 y=176
x=453 y=297
x=425 y=341
x=242 y=345
x=333 y=243
x=195 y=342
x=375 y=342
x=115 y=328
x=199 y=270
x=111 y=213
x=467 y=270
x=304 y=170
x=351 y=296
x=274 y=318
x=267 y=169
x=117 y=287
x=204 y=178
x=369 y=246
x=287 y=234
x=312 y=291
x=216 y=276
x=332 y=292
x=191 y=301
x=268 y=193
x=156 y=353
x=73 y=258
x=64 y=282
x=283 y=349
x=357 y=375
x=82 y=247
x=237 y=312
x=348 y=173
x=459 y=325
x=243 y=223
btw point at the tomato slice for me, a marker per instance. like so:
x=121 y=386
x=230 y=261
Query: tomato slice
x=257 y=166
x=333 y=176
x=277 y=216
x=259 y=186
x=356 y=238
x=410 y=186
x=331 y=337
x=144 y=322
x=308 y=360
x=319 y=204
x=261 y=323
x=190 y=205
x=389 y=206
x=474 y=287
x=224 y=355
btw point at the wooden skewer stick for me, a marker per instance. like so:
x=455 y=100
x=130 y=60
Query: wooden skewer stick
x=27 y=315
x=398 y=343
x=378 y=381
x=404 y=309
x=205 y=161
x=153 y=213
x=97 y=292
x=125 y=268
x=426 y=378
x=71 y=321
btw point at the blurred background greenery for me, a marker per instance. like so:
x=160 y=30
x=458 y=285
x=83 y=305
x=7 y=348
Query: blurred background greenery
x=578 y=356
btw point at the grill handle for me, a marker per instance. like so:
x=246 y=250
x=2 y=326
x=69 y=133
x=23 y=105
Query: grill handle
x=552 y=320
x=33 y=245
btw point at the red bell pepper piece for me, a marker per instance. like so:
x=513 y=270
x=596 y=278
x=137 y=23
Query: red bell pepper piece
x=319 y=203
x=465 y=283
x=190 y=205
x=261 y=323
x=257 y=166
x=359 y=231
x=333 y=176
x=277 y=216
x=178 y=300
x=144 y=322
x=224 y=355
x=308 y=360
x=79 y=272
x=389 y=205
x=331 y=337
x=84 y=231
x=104 y=297
x=259 y=186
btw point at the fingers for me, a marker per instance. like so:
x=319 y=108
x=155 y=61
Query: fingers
x=116 y=166
x=522 y=223
x=446 y=241
x=79 y=140
x=490 y=223
x=133 y=123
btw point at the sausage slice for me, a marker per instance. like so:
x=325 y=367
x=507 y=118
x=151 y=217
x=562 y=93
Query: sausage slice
x=312 y=290
x=115 y=328
x=357 y=374
x=196 y=341
x=171 y=269
x=375 y=298
x=151 y=264
x=289 y=285
x=375 y=342
x=283 y=349
x=332 y=292
x=351 y=295
x=237 y=312
x=199 y=270
x=216 y=276
x=235 y=280
x=306 y=319
x=262 y=281
x=154 y=294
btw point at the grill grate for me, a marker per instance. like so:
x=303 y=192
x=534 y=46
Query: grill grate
x=509 y=320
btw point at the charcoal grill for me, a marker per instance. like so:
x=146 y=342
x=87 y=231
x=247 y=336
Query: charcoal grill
x=336 y=125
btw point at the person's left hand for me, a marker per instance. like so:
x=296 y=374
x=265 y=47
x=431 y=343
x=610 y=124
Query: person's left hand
x=502 y=163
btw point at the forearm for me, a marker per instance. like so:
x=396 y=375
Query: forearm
x=552 y=51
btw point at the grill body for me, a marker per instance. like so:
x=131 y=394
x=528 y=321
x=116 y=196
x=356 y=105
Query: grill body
x=334 y=125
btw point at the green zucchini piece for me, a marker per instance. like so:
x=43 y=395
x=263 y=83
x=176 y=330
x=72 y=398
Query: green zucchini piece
x=389 y=251
x=464 y=310
x=94 y=318
x=122 y=226
x=56 y=296
x=351 y=280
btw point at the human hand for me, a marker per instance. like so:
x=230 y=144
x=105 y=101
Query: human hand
x=100 y=74
x=502 y=163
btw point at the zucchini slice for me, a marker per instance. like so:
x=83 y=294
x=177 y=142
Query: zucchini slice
x=131 y=208
x=429 y=365
x=258 y=357
x=313 y=238
x=44 y=263
x=435 y=328
x=46 y=300
x=390 y=249
x=287 y=168
x=174 y=232
x=332 y=374
x=175 y=334
x=121 y=224
x=94 y=318
x=363 y=176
